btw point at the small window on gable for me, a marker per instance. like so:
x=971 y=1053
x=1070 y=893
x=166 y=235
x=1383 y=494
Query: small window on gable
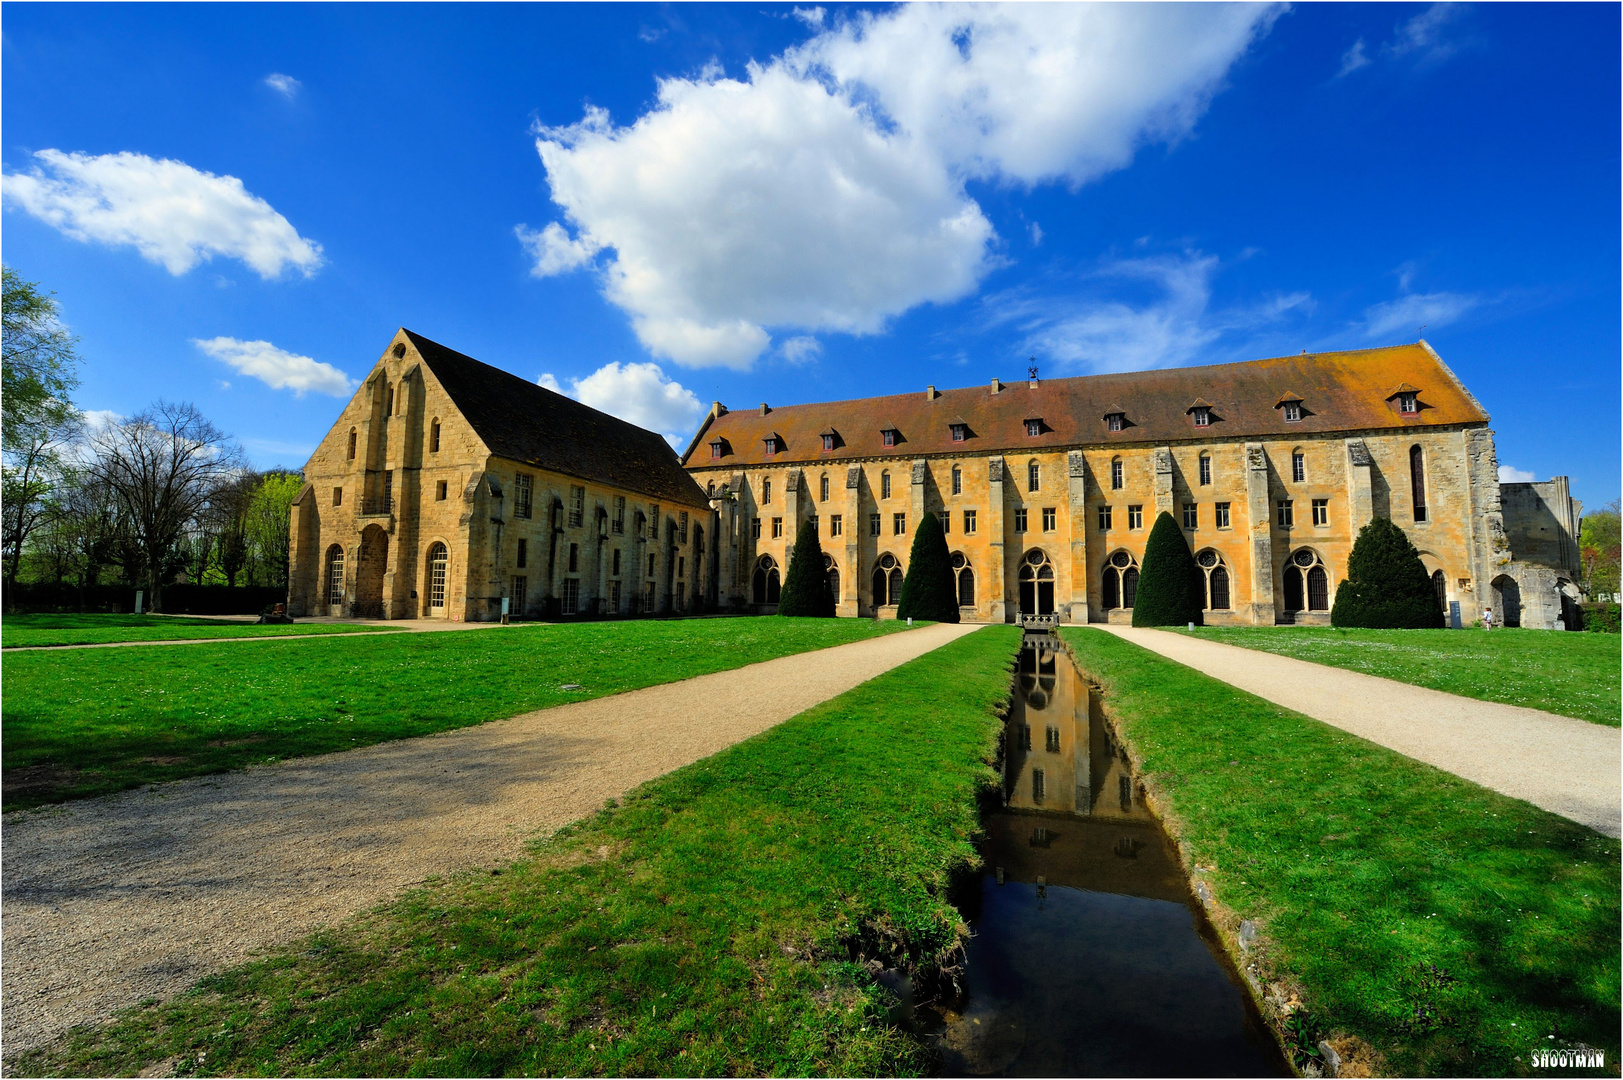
x=400 y=351
x=434 y=436
x=352 y=444
x=959 y=432
x=715 y=450
x=1034 y=428
x=388 y=399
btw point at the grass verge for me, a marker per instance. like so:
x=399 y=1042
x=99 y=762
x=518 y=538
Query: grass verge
x=91 y=721
x=1577 y=675
x=1452 y=929
x=23 y=631
x=726 y=919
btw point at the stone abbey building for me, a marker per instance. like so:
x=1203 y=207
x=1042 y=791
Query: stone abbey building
x=448 y=488
x=1047 y=490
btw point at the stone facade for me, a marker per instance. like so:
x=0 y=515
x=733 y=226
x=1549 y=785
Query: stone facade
x=447 y=486
x=1050 y=512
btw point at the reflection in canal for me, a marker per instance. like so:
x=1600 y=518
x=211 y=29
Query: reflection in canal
x=1089 y=956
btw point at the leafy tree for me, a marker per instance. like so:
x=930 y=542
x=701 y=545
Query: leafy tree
x=930 y=590
x=1171 y=590
x=1598 y=550
x=37 y=420
x=805 y=587
x=270 y=510
x=1387 y=587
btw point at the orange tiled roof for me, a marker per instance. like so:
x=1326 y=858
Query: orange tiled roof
x=1339 y=391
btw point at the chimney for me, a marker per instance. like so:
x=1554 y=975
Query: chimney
x=997 y=386
x=764 y=409
x=929 y=393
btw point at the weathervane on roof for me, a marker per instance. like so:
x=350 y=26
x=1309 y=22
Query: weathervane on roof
x=1031 y=372
x=1423 y=329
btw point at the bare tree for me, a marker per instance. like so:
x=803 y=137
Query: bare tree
x=162 y=465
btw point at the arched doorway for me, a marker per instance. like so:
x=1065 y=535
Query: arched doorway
x=966 y=580
x=1119 y=582
x=439 y=572
x=1036 y=583
x=1307 y=583
x=831 y=574
x=887 y=581
x=369 y=571
x=1217 y=579
x=334 y=583
x=766 y=583
x=1509 y=596
x=1439 y=585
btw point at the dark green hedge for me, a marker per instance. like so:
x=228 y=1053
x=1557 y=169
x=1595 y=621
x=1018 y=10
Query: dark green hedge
x=1387 y=587
x=930 y=591
x=1171 y=591
x=805 y=588
x=1601 y=618
x=177 y=599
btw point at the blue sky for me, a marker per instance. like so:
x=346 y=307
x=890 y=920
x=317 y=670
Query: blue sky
x=656 y=207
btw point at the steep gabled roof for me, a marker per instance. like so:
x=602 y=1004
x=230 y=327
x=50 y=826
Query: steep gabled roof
x=1341 y=391
x=525 y=422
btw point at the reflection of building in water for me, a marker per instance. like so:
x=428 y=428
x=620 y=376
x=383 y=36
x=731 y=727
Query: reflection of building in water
x=1059 y=753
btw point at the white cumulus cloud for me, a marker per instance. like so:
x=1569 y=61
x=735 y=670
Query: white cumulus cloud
x=286 y=85
x=1401 y=319
x=278 y=368
x=825 y=189
x=640 y=394
x=1509 y=474
x=173 y=214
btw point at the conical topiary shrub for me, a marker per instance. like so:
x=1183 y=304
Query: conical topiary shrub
x=1170 y=589
x=1387 y=587
x=930 y=591
x=805 y=588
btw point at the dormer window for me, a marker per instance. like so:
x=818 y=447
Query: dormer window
x=1293 y=411
x=715 y=450
x=828 y=442
x=1034 y=428
x=1409 y=404
x=1203 y=416
x=773 y=444
x=1114 y=421
x=960 y=432
x=889 y=436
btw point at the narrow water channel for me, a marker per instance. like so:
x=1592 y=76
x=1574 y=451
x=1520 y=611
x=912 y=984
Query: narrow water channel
x=1090 y=956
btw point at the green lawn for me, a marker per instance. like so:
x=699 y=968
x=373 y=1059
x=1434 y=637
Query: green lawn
x=89 y=721
x=720 y=922
x=20 y=631
x=1570 y=674
x=1452 y=929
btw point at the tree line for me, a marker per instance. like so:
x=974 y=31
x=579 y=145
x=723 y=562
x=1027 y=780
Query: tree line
x=145 y=501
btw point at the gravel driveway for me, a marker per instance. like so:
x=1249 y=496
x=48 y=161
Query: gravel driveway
x=110 y=901
x=1566 y=766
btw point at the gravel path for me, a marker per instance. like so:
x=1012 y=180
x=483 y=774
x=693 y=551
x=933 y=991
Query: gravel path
x=110 y=901
x=1568 y=767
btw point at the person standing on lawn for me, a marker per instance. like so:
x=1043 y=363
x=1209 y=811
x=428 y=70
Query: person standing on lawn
x=1487 y=618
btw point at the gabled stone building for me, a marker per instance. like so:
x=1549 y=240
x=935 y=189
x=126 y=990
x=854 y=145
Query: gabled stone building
x=448 y=486
x=1047 y=490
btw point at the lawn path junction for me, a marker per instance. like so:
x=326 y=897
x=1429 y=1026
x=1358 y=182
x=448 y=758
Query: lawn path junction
x=114 y=900
x=1566 y=766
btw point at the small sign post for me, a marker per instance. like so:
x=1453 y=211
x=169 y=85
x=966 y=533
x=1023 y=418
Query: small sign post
x=1453 y=614
x=139 y=597
x=505 y=602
